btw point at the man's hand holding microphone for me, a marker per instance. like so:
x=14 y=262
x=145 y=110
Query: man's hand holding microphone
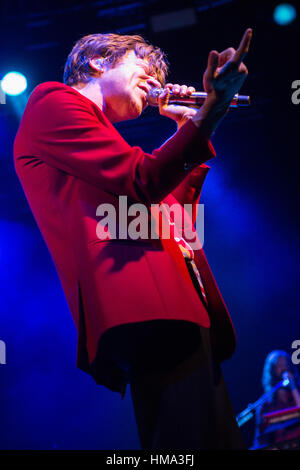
x=222 y=79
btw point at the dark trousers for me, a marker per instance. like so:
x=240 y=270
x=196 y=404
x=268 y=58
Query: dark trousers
x=178 y=391
x=186 y=406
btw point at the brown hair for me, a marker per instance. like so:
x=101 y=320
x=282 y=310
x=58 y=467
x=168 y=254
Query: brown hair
x=111 y=47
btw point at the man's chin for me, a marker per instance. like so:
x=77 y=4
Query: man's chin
x=133 y=111
x=136 y=111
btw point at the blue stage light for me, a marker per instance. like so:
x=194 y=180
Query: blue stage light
x=284 y=14
x=14 y=83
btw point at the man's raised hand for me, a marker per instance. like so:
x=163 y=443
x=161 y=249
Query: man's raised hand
x=226 y=72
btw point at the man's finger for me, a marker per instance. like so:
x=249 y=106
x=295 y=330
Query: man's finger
x=212 y=64
x=191 y=90
x=243 y=47
x=176 y=88
x=226 y=55
x=243 y=68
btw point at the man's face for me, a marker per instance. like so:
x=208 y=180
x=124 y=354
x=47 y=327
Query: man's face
x=124 y=88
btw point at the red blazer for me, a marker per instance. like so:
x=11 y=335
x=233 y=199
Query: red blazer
x=70 y=159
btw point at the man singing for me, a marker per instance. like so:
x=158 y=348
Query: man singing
x=147 y=310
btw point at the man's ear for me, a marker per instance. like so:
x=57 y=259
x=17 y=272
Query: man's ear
x=97 y=64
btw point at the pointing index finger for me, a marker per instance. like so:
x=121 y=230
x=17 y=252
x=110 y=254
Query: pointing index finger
x=243 y=47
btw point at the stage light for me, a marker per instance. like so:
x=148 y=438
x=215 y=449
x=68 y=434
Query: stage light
x=284 y=14
x=14 y=83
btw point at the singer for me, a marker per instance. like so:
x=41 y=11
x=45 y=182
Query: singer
x=148 y=312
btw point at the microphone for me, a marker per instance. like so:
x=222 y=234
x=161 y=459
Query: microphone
x=285 y=379
x=196 y=99
x=289 y=380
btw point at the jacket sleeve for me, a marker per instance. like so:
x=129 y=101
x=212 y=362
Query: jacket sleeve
x=69 y=132
x=189 y=190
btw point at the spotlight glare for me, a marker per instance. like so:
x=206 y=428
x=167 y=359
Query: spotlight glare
x=284 y=14
x=14 y=83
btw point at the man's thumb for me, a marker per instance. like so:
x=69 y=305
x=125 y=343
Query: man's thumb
x=163 y=99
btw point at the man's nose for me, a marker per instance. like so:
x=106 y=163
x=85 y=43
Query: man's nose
x=153 y=82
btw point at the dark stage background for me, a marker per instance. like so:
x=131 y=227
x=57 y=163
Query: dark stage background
x=251 y=212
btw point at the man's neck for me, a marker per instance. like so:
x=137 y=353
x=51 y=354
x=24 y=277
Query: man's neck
x=92 y=91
